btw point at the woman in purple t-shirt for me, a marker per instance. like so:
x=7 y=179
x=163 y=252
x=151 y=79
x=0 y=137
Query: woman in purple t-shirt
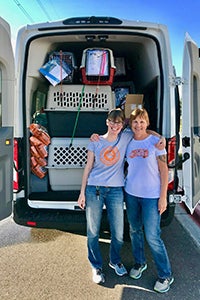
x=102 y=184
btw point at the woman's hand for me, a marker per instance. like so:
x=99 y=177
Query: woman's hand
x=94 y=137
x=162 y=205
x=81 y=201
x=161 y=143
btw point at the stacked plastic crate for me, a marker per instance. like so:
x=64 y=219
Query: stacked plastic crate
x=74 y=112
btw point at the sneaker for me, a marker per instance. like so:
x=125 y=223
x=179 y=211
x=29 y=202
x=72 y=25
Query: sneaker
x=119 y=268
x=98 y=276
x=136 y=271
x=163 y=285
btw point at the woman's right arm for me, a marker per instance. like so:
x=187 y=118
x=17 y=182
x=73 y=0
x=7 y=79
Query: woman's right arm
x=163 y=169
x=86 y=172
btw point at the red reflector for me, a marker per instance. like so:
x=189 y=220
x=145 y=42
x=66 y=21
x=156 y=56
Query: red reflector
x=15 y=174
x=171 y=186
x=31 y=223
x=171 y=151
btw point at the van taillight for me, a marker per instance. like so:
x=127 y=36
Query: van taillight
x=31 y=223
x=16 y=166
x=171 y=153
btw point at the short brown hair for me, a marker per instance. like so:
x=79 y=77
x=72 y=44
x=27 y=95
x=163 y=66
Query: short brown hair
x=116 y=114
x=141 y=113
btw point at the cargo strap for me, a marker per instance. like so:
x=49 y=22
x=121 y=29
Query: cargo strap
x=61 y=58
x=80 y=103
x=101 y=72
x=77 y=116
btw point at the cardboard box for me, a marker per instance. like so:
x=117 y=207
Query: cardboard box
x=133 y=101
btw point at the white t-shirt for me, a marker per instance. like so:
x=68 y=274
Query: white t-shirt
x=108 y=168
x=143 y=178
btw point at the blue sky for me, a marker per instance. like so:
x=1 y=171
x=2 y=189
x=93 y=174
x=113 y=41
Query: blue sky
x=179 y=16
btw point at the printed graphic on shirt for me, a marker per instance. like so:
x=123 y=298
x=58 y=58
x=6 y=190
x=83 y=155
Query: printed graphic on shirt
x=109 y=155
x=139 y=153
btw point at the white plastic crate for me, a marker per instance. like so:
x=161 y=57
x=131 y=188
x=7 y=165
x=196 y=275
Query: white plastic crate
x=66 y=164
x=69 y=97
x=65 y=179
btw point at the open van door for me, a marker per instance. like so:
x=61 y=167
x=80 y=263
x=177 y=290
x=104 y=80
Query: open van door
x=191 y=122
x=6 y=120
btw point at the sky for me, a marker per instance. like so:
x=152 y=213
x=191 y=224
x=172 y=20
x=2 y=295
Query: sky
x=180 y=16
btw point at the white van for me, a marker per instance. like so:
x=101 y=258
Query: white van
x=59 y=90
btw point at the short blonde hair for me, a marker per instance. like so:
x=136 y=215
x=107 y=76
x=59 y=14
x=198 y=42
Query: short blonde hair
x=141 y=113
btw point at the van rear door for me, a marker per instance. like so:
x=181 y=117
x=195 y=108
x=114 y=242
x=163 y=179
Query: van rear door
x=191 y=122
x=6 y=120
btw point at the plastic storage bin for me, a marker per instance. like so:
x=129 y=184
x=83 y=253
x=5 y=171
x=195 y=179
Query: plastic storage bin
x=63 y=113
x=66 y=164
x=97 y=66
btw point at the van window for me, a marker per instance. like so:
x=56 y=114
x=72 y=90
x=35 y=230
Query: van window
x=0 y=97
x=195 y=104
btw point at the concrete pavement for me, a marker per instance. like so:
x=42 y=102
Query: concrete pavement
x=191 y=223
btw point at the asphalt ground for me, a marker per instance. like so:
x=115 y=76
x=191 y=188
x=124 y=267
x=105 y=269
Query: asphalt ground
x=52 y=265
x=191 y=223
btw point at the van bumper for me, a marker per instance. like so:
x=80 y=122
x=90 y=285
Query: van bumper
x=68 y=220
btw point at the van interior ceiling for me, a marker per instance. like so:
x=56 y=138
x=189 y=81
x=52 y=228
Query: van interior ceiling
x=142 y=76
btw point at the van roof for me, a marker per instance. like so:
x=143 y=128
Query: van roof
x=95 y=21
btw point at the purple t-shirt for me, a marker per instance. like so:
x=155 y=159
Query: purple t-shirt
x=108 y=168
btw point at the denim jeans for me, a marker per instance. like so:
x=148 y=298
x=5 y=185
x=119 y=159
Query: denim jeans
x=113 y=199
x=144 y=217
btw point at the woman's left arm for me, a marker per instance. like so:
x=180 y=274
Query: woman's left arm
x=162 y=165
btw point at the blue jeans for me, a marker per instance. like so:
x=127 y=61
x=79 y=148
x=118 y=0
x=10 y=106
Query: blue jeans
x=144 y=217
x=113 y=199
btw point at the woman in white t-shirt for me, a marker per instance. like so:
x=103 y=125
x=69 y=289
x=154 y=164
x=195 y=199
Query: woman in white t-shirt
x=146 y=199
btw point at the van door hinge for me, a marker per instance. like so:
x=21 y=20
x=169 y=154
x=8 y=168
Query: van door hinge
x=177 y=198
x=186 y=141
x=175 y=81
x=179 y=81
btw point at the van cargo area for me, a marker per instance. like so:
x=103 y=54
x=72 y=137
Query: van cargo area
x=77 y=106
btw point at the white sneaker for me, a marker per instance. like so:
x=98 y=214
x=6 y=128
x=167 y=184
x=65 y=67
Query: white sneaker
x=98 y=276
x=163 y=285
